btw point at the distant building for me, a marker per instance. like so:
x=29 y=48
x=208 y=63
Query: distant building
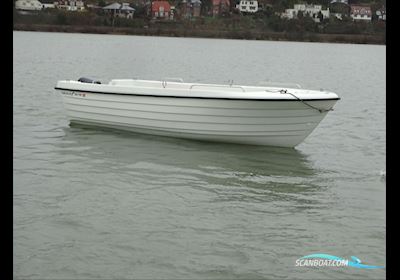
x=340 y=1
x=248 y=6
x=220 y=6
x=93 y=7
x=265 y=4
x=48 y=4
x=360 y=12
x=161 y=9
x=312 y=11
x=381 y=13
x=70 y=5
x=28 y=5
x=190 y=8
x=120 y=10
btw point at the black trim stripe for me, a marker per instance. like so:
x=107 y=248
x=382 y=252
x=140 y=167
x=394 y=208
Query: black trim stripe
x=192 y=97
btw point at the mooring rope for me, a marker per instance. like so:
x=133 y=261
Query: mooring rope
x=302 y=101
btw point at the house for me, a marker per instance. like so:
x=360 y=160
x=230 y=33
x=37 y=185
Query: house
x=360 y=12
x=48 y=4
x=220 y=6
x=161 y=9
x=313 y=11
x=190 y=8
x=340 y=1
x=70 y=5
x=265 y=4
x=381 y=13
x=28 y=5
x=173 y=12
x=248 y=6
x=93 y=7
x=120 y=10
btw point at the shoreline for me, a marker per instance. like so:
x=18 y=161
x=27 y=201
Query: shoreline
x=376 y=39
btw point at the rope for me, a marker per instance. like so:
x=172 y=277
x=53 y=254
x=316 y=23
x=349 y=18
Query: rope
x=302 y=101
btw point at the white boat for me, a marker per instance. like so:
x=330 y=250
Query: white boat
x=256 y=115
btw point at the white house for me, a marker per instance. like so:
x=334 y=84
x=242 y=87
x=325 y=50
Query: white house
x=381 y=14
x=340 y=1
x=120 y=10
x=70 y=5
x=248 y=6
x=48 y=6
x=28 y=5
x=307 y=10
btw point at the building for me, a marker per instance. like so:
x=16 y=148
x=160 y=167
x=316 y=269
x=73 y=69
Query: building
x=361 y=12
x=28 y=5
x=312 y=11
x=48 y=4
x=120 y=10
x=161 y=9
x=247 y=6
x=190 y=8
x=381 y=14
x=93 y=7
x=220 y=6
x=265 y=4
x=340 y=1
x=70 y=5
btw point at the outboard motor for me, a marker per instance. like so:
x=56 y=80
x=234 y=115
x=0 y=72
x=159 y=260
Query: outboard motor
x=89 y=81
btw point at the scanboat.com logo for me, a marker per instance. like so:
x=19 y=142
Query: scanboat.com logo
x=329 y=260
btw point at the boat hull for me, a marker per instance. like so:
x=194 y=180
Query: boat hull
x=282 y=123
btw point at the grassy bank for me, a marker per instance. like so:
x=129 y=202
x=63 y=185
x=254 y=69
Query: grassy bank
x=208 y=33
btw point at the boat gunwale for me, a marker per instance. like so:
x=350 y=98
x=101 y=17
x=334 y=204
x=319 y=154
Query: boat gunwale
x=197 y=97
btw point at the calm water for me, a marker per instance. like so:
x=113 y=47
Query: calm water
x=98 y=204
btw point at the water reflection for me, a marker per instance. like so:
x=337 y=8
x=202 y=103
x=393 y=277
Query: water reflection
x=229 y=171
x=126 y=150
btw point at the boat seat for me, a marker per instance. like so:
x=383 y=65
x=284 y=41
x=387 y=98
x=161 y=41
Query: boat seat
x=87 y=80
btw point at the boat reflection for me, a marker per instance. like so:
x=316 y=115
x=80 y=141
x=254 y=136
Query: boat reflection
x=228 y=170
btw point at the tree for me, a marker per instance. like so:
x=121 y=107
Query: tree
x=101 y=3
x=320 y=16
x=300 y=14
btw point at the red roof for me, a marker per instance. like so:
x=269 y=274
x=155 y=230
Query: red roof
x=155 y=6
x=360 y=10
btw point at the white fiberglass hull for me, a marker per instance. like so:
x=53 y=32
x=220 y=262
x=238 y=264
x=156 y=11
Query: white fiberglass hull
x=284 y=123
